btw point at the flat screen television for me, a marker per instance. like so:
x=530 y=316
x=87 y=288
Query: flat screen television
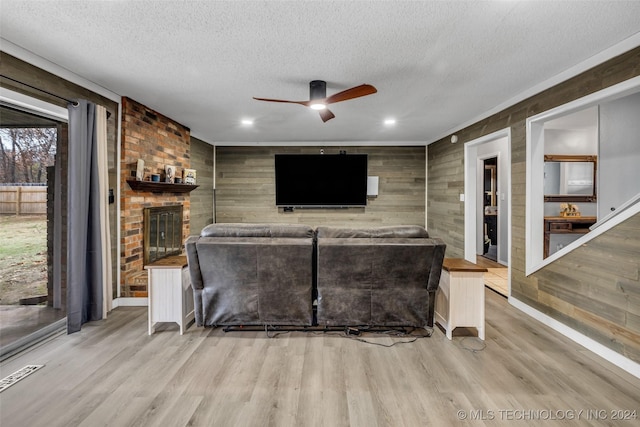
x=321 y=180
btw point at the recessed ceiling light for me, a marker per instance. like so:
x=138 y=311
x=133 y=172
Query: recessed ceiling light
x=389 y=122
x=247 y=122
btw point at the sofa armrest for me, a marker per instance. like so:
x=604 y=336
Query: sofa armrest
x=436 y=264
x=194 y=263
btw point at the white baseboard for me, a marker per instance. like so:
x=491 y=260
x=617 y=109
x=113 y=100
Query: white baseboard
x=606 y=353
x=130 y=302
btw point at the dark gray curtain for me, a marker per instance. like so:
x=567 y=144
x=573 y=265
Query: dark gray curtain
x=84 y=253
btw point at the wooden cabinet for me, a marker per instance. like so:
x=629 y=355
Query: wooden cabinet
x=170 y=293
x=565 y=225
x=460 y=297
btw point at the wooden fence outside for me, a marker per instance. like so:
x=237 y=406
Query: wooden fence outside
x=23 y=200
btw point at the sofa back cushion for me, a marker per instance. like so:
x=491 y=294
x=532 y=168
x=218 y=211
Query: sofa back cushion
x=257 y=230
x=394 y=231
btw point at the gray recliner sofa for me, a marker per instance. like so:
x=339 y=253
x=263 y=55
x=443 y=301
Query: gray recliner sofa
x=382 y=276
x=269 y=274
x=252 y=274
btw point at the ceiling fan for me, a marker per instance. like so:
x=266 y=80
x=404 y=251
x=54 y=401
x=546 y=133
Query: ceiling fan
x=318 y=99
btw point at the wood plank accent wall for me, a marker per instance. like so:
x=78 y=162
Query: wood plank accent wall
x=596 y=288
x=245 y=187
x=201 y=197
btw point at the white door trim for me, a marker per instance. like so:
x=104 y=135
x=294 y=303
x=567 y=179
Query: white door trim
x=471 y=159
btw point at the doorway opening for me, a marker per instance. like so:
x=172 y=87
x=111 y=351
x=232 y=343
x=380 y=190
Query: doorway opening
x=490 y=209
x=31 y=296
x=487 y=207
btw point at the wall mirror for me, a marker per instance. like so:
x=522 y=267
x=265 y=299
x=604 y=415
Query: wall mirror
x=570 y=178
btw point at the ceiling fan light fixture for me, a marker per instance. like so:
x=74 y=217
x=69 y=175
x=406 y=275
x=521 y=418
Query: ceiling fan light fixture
x=318 y=99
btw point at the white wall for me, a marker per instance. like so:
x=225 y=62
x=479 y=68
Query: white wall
x=619 y=157
x=570 y=141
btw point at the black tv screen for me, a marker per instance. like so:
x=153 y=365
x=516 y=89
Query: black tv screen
x=321 y=180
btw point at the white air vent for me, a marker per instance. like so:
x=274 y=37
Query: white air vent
x=7 y=382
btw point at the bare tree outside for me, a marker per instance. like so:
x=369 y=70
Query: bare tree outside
x=25 y=154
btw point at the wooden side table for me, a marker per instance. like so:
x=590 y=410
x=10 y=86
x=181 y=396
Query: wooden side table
x=460 y=296
x=565 y=225
x=170 y=293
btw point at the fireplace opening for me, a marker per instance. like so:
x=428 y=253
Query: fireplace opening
x=162 y=232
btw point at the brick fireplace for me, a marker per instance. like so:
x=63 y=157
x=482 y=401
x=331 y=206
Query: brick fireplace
x=159 y=141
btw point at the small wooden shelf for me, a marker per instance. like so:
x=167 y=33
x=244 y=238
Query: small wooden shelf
x=160 y=187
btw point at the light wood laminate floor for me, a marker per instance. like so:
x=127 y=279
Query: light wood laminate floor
x=113 y=373
x=497 y=275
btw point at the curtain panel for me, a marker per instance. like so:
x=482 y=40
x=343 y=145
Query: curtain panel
x=88 y=252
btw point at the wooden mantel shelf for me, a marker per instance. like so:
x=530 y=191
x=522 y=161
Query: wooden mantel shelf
x=160 y=187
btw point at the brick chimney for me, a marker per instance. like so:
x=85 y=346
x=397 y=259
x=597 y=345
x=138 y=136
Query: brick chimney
x=159 y=141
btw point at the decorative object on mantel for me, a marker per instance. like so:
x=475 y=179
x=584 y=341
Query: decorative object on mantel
x=140 y=170
x=569 y=210
x=169 y=173
x=160 y=187
x=189 y=176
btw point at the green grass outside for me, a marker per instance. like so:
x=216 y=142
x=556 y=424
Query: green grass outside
x=23 y=257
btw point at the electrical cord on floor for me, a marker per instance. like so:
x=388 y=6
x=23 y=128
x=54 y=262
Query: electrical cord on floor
x=483 y=345
x=380 y=344
x=392 y=332
x=354 y=334
x=266 y=331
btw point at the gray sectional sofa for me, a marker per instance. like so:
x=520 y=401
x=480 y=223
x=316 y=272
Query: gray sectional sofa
x=252 y=274
x=384 y=276
x=269 y=274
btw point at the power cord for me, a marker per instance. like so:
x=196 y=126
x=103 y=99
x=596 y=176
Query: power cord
x=266 y=331
x=384 y=345
x=355 y=333
x=482 y=346
x=349 y=333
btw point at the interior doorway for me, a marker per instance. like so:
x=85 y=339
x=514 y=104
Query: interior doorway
x=490 y=211
x=487 y=207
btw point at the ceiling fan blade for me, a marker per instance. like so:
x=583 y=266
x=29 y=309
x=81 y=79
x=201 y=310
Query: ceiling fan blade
x=305 y=103
x=354 y=92
x=326 y=115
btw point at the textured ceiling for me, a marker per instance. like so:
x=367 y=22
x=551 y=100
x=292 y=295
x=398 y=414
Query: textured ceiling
x=436 y=64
